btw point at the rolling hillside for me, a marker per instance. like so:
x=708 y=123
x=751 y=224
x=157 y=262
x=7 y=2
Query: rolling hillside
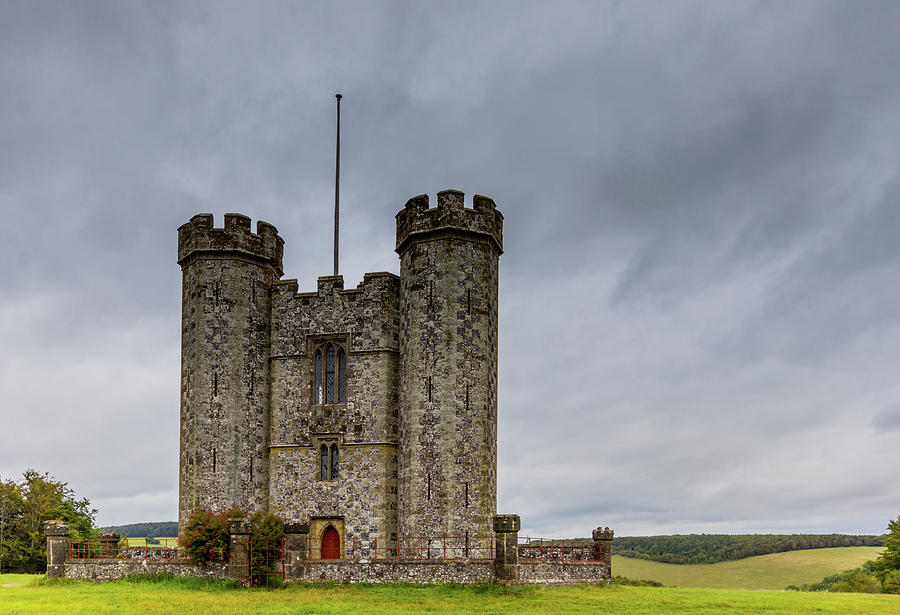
x=774 y=571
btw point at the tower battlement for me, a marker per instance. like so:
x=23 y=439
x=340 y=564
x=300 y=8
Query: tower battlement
x=199 y=235
x=417 y=222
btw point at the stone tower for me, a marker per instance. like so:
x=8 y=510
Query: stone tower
x=226 y=280
x=447 y=449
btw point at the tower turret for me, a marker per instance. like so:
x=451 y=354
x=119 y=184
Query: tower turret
x=447 y=450
x=227 y=275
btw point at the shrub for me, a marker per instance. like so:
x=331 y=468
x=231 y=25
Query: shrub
x=205 y=535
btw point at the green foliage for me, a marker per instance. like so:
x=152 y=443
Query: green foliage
x=635 y=582
x=889 y=561
x=205 y=535
x=161 y=529
x=24 y=506
x=890 y=582
x=858 y=580
x=266 y=538
x=712 y=548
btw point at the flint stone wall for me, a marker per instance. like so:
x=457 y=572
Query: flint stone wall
x=110 y=570
x=561 y=573
x=395 y=572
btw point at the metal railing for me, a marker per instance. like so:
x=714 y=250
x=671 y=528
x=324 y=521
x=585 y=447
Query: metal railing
x=554 y=549
x=99 y=549
x=414 y=548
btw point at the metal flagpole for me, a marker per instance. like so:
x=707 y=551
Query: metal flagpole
x=337 y=183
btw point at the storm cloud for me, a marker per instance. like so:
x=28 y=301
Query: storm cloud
x=700 y=320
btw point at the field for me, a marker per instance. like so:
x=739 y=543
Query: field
x=773 y=571
x=194 y=596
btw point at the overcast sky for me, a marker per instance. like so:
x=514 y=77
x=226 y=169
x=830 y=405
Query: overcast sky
x=700 y=307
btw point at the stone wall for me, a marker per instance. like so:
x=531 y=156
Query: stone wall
x=395 y=572
x=364 y=497
x=109 y=570
x=560 y=572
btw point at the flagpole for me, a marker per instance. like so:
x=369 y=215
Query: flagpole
x=337 y=183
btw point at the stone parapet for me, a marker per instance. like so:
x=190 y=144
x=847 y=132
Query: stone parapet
x=235 y=238
x=417 y=222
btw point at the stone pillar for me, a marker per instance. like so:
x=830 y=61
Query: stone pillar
x=296 y=538
x=57 y=534
x=602 y=549
x=506 y=556
x=109 y=545
x=238 y=549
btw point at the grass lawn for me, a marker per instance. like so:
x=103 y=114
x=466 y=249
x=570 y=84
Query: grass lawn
x=195 y=596
x=774 y=571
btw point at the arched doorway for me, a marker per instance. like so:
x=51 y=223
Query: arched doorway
x=331 y=544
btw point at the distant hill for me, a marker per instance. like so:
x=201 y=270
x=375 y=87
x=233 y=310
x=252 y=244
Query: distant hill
x=160 y=529
x=712 y=548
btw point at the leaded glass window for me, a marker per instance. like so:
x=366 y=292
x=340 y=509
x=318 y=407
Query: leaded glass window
x=334 y=461
x=330 y=370
x=342 y=376
x=318 y=377
x=329 y=374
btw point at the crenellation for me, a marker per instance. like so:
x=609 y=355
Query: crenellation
x=417 y=222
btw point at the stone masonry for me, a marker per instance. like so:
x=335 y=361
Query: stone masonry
x=414 y=428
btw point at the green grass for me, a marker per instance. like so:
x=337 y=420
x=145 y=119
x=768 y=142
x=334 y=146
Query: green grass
x=14 y=580
x=194 y=596
x=775 y=571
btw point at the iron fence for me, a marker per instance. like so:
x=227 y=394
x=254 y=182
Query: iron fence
x=416 y=548
x=554 y=549
x=99 y=549
x=266 y=559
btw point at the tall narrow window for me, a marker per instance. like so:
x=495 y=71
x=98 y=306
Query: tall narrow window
x=328 y=461
x=323 y=463
x=342 y=376
x=319 y=376
x=334 y=461
x=329 y=374
x=214 y=461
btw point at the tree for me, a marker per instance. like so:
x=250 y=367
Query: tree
x=24 y=506
x=887 y=566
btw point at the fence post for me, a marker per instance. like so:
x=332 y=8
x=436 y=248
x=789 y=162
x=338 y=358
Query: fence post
x=296 y=536
x=506 y=557
x=602 y=549
x=57 y=534
x=238 y=549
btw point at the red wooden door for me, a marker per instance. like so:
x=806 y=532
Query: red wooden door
x=331 y=544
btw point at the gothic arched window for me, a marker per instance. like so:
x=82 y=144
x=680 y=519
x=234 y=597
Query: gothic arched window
x=330 y=375
x=328 y=462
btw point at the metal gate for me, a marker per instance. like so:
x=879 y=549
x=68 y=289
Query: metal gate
x=266 y=563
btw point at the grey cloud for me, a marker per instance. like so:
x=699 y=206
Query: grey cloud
x=697 y=292
x=887 y=419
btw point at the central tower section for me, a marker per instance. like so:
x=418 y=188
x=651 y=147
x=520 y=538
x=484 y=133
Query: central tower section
x=447 y=449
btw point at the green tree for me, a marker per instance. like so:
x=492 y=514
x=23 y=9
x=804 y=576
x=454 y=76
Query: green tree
x=24 y=506
x=888 y=563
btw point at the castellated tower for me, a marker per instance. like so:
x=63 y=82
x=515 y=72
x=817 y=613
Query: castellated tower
x=447 y=449
x=227 y=274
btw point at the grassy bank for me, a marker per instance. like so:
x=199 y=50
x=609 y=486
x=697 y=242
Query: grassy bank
x=774 y=571
x=194 y=596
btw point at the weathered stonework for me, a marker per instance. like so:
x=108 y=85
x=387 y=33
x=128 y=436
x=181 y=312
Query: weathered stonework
x=405 y=447
x=417 y=430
